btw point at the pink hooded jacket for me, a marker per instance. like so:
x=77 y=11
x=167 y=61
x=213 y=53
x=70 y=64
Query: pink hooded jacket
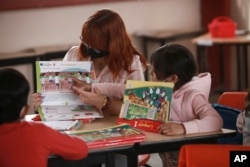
x=191 y=107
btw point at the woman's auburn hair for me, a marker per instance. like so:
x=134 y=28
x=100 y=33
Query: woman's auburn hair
x=105 y=30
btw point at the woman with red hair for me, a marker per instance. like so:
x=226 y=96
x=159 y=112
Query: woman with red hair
x=105 y=42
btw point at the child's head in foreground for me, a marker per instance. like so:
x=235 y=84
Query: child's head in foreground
x=14 y=90
x=173 y=63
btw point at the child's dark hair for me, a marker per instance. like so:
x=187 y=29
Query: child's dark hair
x=174 y=59
x=14 y=90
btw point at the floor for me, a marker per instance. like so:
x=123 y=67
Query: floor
x=155 y=160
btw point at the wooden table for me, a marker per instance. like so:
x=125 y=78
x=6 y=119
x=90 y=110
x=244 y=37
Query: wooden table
x=154 y=143
x=241 y=43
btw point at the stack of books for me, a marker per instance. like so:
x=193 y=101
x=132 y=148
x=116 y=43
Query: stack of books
x=118 y=135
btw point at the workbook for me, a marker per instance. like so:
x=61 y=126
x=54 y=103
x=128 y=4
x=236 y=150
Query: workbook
x=57 y=125
x=63 y=125
x=54 y=82
x=146 y=104
x=117 y=135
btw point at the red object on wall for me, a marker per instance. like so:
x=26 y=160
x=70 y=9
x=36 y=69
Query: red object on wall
x=209 y=10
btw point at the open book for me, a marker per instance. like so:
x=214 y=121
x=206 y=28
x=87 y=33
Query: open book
x=54 y=82
x=146 y=104
x=57 y=125
x=112 y=136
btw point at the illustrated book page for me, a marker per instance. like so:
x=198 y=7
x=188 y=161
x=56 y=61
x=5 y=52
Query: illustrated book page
x=54 y=82
x=146 y=104
x=118 y=135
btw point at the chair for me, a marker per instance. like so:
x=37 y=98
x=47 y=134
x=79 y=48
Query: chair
x=229 y=105
x=207 y=155
x=233 y=99
x=229 y=116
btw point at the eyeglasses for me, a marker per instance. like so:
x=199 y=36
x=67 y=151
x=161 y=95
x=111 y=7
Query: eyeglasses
x=93 y=52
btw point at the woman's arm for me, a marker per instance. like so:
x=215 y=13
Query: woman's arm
x=117 y=89
x=101 y=102
x=115 y=107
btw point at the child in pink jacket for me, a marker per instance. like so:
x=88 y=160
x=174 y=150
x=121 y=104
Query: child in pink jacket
x=190 y=110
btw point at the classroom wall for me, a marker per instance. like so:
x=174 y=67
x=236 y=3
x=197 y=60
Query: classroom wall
x=240 y=11
x=25 y=29
x=51 y=26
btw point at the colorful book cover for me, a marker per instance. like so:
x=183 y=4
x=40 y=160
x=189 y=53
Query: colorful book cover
x=146 y=104
x=112 y=136
x=54 y=82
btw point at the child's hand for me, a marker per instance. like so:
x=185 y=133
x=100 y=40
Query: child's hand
x=172 y=128
x=37 y=99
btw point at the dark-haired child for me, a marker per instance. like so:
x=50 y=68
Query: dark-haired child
x=27 y=143
x=190 y=110
x=243 y=121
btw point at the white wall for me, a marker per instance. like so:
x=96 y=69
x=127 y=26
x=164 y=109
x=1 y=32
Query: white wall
x=240 y=11
x=24 y=29
x=51 y=26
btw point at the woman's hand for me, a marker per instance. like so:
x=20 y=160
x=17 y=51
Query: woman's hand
x=90 y=98
x=37 y=99
x=81 y=84
x=172 y=128
x=95 y=98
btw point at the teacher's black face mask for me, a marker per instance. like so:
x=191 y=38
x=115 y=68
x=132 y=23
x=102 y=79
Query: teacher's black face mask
x=93 y=53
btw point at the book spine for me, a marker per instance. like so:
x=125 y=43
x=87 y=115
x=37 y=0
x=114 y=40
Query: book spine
x=121 y=143
x=38 y=77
